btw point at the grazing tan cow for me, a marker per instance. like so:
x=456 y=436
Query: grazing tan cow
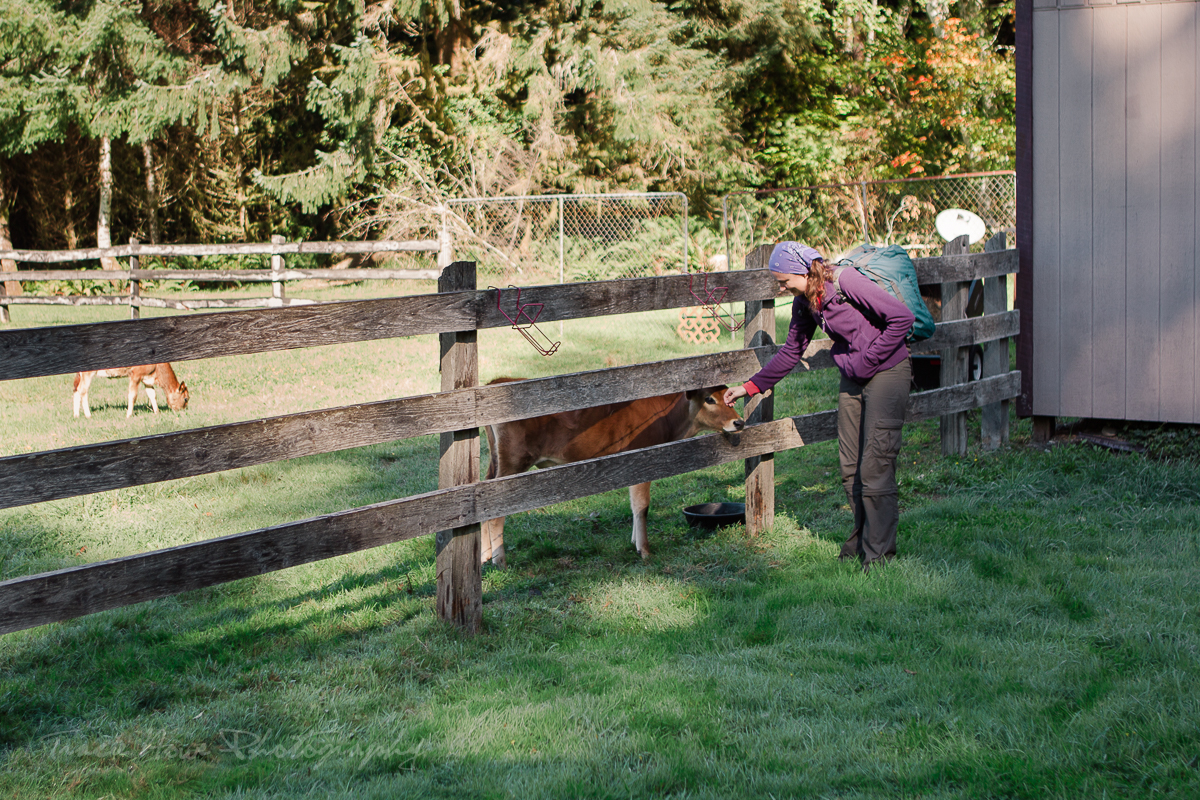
x=593 y=432
x=148 y=375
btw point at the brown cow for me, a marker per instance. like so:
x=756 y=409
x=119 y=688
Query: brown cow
x=593 y=432
x=149 y=375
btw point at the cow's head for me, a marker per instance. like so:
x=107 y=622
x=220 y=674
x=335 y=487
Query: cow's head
x=178 y=399
x=710 y=412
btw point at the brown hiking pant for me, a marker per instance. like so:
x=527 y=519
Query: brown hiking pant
x=870 y=423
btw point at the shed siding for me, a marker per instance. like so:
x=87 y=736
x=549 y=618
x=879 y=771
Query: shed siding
x=1075 y=213
x=1045 y=211
x=1108 y=220
x=1178 y=261
x=1143 y=216
x=1116 y=301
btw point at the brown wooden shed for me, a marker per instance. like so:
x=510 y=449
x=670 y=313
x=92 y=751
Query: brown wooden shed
x=1107 y=209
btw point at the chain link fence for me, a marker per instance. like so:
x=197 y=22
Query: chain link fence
x=569 y=238
x=550 y=239
x=547 y=239
x=837 y=217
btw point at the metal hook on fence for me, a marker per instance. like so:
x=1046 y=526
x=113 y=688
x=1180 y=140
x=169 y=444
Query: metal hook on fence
x=710 y=302
x=522 y=311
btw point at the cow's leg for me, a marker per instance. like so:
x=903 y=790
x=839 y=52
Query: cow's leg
x=485 y=541
x=152 y=397
x=492 y=534
x=639 y=501
x=79 y=396
x=509 y=462
x=132 y=396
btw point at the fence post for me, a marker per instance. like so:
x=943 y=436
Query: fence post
x=445 y=244
x=993 y=421
x=955 y=360
x=759 y=330
x=459 y=570
x=277 y=265
x=135 y=286
x=4 y=306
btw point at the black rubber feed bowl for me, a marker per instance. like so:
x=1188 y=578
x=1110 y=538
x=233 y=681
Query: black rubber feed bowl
x=711 y=516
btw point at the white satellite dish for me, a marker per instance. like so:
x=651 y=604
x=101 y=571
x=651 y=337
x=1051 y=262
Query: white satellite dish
x=954 y=222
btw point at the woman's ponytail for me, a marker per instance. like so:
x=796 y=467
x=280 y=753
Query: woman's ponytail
x=818 y=274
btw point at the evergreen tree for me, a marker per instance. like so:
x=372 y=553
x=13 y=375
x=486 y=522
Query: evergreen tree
x=29 y=31
x=98 y=71
x=343 y=94
x=227 y=120
x=559 y=97
x=123 y=79
x=311 y=75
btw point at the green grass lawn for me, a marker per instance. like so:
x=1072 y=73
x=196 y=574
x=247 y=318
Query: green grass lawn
x=1036 y=638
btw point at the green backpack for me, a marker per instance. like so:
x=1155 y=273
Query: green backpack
x=891 y=269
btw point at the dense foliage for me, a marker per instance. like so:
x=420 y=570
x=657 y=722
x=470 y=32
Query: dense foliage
x=211 y=121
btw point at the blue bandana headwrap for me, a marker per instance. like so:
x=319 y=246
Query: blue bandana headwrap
x=792 y=258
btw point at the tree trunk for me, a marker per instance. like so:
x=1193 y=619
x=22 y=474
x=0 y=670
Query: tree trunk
x=239 y=168
x=6 y=200
x=239 y=152
x=450 y=39
x=939 y=12
x=69 y=232
x=103 y=225
x=151 y=191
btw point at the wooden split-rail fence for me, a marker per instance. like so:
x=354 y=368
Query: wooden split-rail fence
x=278 y=275
x=453 y=512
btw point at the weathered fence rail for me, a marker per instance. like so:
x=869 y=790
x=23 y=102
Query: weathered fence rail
x=34 y=352
x=276 y=275
x=456 y=413
x=57 y=474
x=280 y=248
x=76 y=591
x=263 y=275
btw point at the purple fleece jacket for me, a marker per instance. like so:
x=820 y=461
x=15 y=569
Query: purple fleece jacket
x=868 y=327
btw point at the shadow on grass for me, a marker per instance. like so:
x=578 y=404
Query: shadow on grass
x=786 y=680
x=1028 y=643
x=141 y=659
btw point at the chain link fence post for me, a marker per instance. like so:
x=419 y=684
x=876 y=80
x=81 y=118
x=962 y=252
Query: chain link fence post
x=446 y=250
x=562 y=274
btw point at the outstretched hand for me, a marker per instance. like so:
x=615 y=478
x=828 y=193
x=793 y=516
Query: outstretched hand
x=733 y=393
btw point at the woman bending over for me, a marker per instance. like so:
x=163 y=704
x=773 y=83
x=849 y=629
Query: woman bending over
x=868 y=327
